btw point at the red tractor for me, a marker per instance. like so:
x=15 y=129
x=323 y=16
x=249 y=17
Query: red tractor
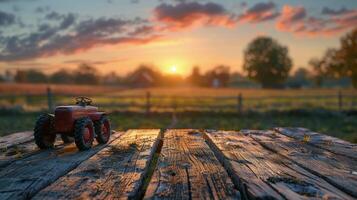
x=82 y=122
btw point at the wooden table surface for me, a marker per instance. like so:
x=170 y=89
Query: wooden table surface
x=283 y=163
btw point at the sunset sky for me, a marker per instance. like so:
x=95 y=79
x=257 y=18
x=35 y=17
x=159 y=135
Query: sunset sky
x=174 y=35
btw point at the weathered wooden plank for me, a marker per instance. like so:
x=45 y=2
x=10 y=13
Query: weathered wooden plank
x=22 y=150
x=16 y=146
x=263 y=174
x=188 y=169
x=24 y=178
x=326 y=142
x=15 y=139
x=339 y=171
x=116 y=172
x=16 y=152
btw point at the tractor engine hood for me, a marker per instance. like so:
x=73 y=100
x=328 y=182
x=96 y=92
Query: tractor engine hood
x=65 y=116
x=76 y=108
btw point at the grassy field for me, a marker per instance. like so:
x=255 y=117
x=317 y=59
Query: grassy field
x=335 y=124
x=33 y=97
x=40 y=89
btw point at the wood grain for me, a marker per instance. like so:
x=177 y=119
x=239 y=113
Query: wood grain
x=116 y=172
x=285 y=163
x=329 y=143
x=188 y=169
x=21 y=150
x=263 y=174
x=338 y=170
x=25 y=177
x=17 y=152
x=15 y=139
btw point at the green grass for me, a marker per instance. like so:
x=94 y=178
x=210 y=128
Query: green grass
x=330 y=123
x=30 y=98
x=11 y=122
x=225 y=103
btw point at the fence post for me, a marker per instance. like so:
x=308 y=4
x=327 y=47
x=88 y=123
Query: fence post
x=339 y=100
x=49 y=99
x=148 y=105
x=12 y=99
x=27 y=99
x=239 y=103
x=174 y=103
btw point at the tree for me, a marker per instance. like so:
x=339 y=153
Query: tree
x=62 y=76
x=343 y=61
x=86 y=74
x=144 y=76
x=320 y=67
x=196 y=78
x=267 y=62
x=318 y=71
x=20 y=76
x=218 y=76
x=299 y=79
x=35 y=76
x=31 y=76
x=111 y=78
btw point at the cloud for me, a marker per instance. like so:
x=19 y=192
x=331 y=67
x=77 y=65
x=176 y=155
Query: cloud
x=68 y=33
x=143 y=30
x=291 y=18
x=72 y=36
x=16 y=8
x=259 y=12
x=348 y=20
x=6 y=1
x=7 y=19
x=12 y=1
x=94 y=62
x=296 y=20
x=42 y=9
x=187 y=14
x=66 y=20
x=330 y=11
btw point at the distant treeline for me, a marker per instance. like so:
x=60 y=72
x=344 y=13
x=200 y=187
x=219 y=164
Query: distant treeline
x=147 y=76
x=266 y=64
x=143 y=76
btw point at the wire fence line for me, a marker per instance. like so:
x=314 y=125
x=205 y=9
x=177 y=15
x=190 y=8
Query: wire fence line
x=159 y=103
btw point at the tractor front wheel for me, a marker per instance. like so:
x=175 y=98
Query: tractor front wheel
x=44 y=137
x=102 y=130
x=83 y=133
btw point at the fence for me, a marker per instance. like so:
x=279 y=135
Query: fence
x=153 y=103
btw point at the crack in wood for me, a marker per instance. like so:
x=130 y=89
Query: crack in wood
x=266 y=171
x=328 y=143
x=123 y=166
x=187 y=164
x=189 y=183
x=39 y=170
x=328 y=179
x=225 y=162
x=188 y=169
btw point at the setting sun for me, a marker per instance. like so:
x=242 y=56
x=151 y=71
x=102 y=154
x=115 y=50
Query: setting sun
x=173 y=69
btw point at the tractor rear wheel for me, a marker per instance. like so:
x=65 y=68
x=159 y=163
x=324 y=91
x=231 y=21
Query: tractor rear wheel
x=43 y=131
x=102 y=130
x=83 y=133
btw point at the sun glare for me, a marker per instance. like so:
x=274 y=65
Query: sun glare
x=173 y=69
